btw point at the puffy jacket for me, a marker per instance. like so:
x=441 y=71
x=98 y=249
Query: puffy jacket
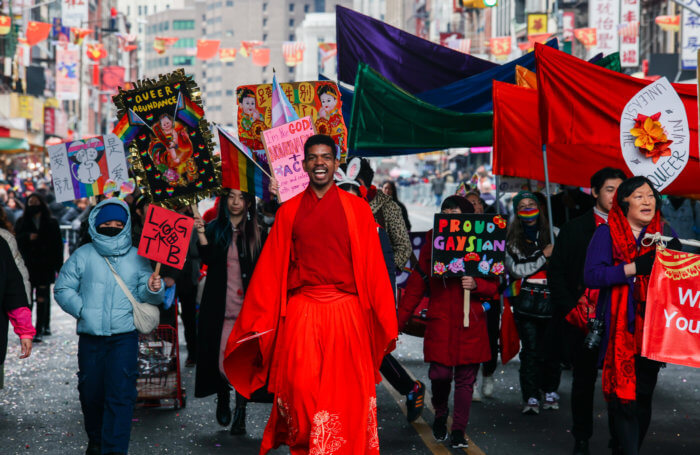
x=87 y=289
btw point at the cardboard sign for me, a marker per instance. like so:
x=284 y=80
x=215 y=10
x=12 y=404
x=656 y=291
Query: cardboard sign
x=318 y=99
x=468 y=245
x=86 y=167
x=285 y=152
x=672 y=319
x=170 y=143
x=166 y=236
x=657 y=105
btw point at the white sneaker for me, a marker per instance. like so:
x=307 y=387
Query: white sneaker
x=532 y=407
x=487 y=386
x=551 y=401
x=476 y=394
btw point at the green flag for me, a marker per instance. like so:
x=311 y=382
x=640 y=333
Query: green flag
x=385 y=116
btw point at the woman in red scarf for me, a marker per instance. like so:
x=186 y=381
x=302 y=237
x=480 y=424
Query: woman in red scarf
x=619 y=265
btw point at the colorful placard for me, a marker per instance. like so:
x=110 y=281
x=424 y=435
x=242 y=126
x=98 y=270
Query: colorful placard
x=468 y=245
x=83 y=168
x=170 y=142
x=318 y=99
x=285 y=153
x=166 y=236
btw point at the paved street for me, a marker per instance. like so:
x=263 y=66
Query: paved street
x=40 y=412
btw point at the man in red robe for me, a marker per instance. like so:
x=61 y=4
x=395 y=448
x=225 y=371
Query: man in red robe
x=317 y=319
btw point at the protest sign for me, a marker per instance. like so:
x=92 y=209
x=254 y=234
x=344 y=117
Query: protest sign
x=468 y=245
x=85 y=167
x=285 y=152
x=166 y=236
x=169 y=140
x=672 y=318
x=318 y=99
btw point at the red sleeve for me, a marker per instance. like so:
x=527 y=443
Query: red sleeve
x=415 y=287
x=486 y=288
x=21 y=319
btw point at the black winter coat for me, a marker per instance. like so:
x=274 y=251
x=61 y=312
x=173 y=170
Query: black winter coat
x=44 y=255
x=208 y=379
x=565 y=273
x=12 y=293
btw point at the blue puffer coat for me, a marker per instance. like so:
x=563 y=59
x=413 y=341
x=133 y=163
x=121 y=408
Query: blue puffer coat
x=87 y=290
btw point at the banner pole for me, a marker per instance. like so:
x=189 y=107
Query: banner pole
x=548 y=195
x=157 y=270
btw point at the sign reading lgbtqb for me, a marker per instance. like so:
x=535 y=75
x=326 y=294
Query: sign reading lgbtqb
x=468 y=245
x=166 y=236
x=672 y=318
x=285 y=152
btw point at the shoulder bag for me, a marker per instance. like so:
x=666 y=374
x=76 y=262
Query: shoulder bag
x=146 y=316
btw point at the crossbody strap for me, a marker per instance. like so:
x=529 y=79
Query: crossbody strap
x=121 y=284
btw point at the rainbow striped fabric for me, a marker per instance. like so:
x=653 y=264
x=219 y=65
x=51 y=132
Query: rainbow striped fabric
x=238 y=170
x=188 y=111
x=125 y=130
x=280 y=107
x=513 y=289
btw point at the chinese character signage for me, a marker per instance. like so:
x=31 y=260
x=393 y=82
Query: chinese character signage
x=83 y=168
x=569 y=19
x=536 y=23
x=629 y=33
x=690 y=41
x=75 y=13
x=67 y=78
x=501 y=46
x=604 y=16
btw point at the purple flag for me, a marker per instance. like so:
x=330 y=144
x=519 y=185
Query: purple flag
x=412 y=63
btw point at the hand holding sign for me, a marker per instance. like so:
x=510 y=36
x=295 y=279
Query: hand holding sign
x=166 y=236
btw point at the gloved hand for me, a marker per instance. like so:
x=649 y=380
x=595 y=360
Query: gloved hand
x=644 y=263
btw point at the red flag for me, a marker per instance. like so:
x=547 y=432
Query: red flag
x=261 y=56
x=207 y=49
x=37 y=32
x=510 y=342
x=587 y=36
x=79 y=34
x=227 y=54
x=162 y=43
x=293 y=52
x=517 y=148
x=581 y=113
x=501 y=46
x=671 y=325
x=328 y=51
x=5 y=24
x=248 y=46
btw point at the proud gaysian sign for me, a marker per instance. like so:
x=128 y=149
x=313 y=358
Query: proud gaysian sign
x=468 y=245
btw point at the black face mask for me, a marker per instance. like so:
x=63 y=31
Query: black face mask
x=33 y=210
x=109 y=231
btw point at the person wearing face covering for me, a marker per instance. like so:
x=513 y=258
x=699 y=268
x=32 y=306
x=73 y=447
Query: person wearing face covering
x=87 y=289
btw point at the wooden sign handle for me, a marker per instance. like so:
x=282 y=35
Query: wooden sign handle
x=157 y=270
x=467 y=298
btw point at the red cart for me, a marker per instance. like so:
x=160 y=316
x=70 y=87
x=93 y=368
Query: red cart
x=159 y=379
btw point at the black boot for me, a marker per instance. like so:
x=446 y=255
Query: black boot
x=94 y=448
x=238 y=426
x=223 y=408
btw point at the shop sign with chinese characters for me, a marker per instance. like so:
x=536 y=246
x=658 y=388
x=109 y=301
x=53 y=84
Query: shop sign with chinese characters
x=690 y=41
x=629 y=33
x=604 y=16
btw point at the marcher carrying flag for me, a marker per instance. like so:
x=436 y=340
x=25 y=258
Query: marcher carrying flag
x=239 y=170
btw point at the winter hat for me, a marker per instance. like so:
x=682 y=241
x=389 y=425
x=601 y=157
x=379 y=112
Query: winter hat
x=111 y=212
x=523 y=195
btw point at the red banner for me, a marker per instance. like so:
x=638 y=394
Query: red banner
x=261 y=56
x=207 y=49
x=166 y=236
x=37 y=32
x=672 y=321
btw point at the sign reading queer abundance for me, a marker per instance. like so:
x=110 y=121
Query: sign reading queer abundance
x=672 y=322
x=468 y=245
x=166 y=236
x=285 y=152
x=654 y=134
x=82 y=168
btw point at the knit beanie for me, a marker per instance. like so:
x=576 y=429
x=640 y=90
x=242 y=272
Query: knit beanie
x=111 y=212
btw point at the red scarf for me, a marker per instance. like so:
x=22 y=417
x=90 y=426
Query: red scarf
x=626 y=320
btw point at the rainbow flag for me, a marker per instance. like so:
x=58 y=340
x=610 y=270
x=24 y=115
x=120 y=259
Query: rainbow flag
x=280 y=107
x=125 y=130
x=188 y=111
x=513 y=289
x=239 y=171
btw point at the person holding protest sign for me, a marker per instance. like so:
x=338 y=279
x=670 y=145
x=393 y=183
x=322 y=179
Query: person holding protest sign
x=317 y=332
x=619 y=263
x=527 y=255
x=39 y=240
x=230 y=246
x=453 y=350
x=89 y=289
x=576 y=304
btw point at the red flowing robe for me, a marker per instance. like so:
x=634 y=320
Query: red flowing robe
x=319 y=347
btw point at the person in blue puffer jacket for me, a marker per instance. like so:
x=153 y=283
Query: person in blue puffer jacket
x=108 y=341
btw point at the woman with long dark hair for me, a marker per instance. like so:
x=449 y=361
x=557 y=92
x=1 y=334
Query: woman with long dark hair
x=528 y=248
x=619 y=264
x=229 y=246
x=39 y=240
x=389 y=188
